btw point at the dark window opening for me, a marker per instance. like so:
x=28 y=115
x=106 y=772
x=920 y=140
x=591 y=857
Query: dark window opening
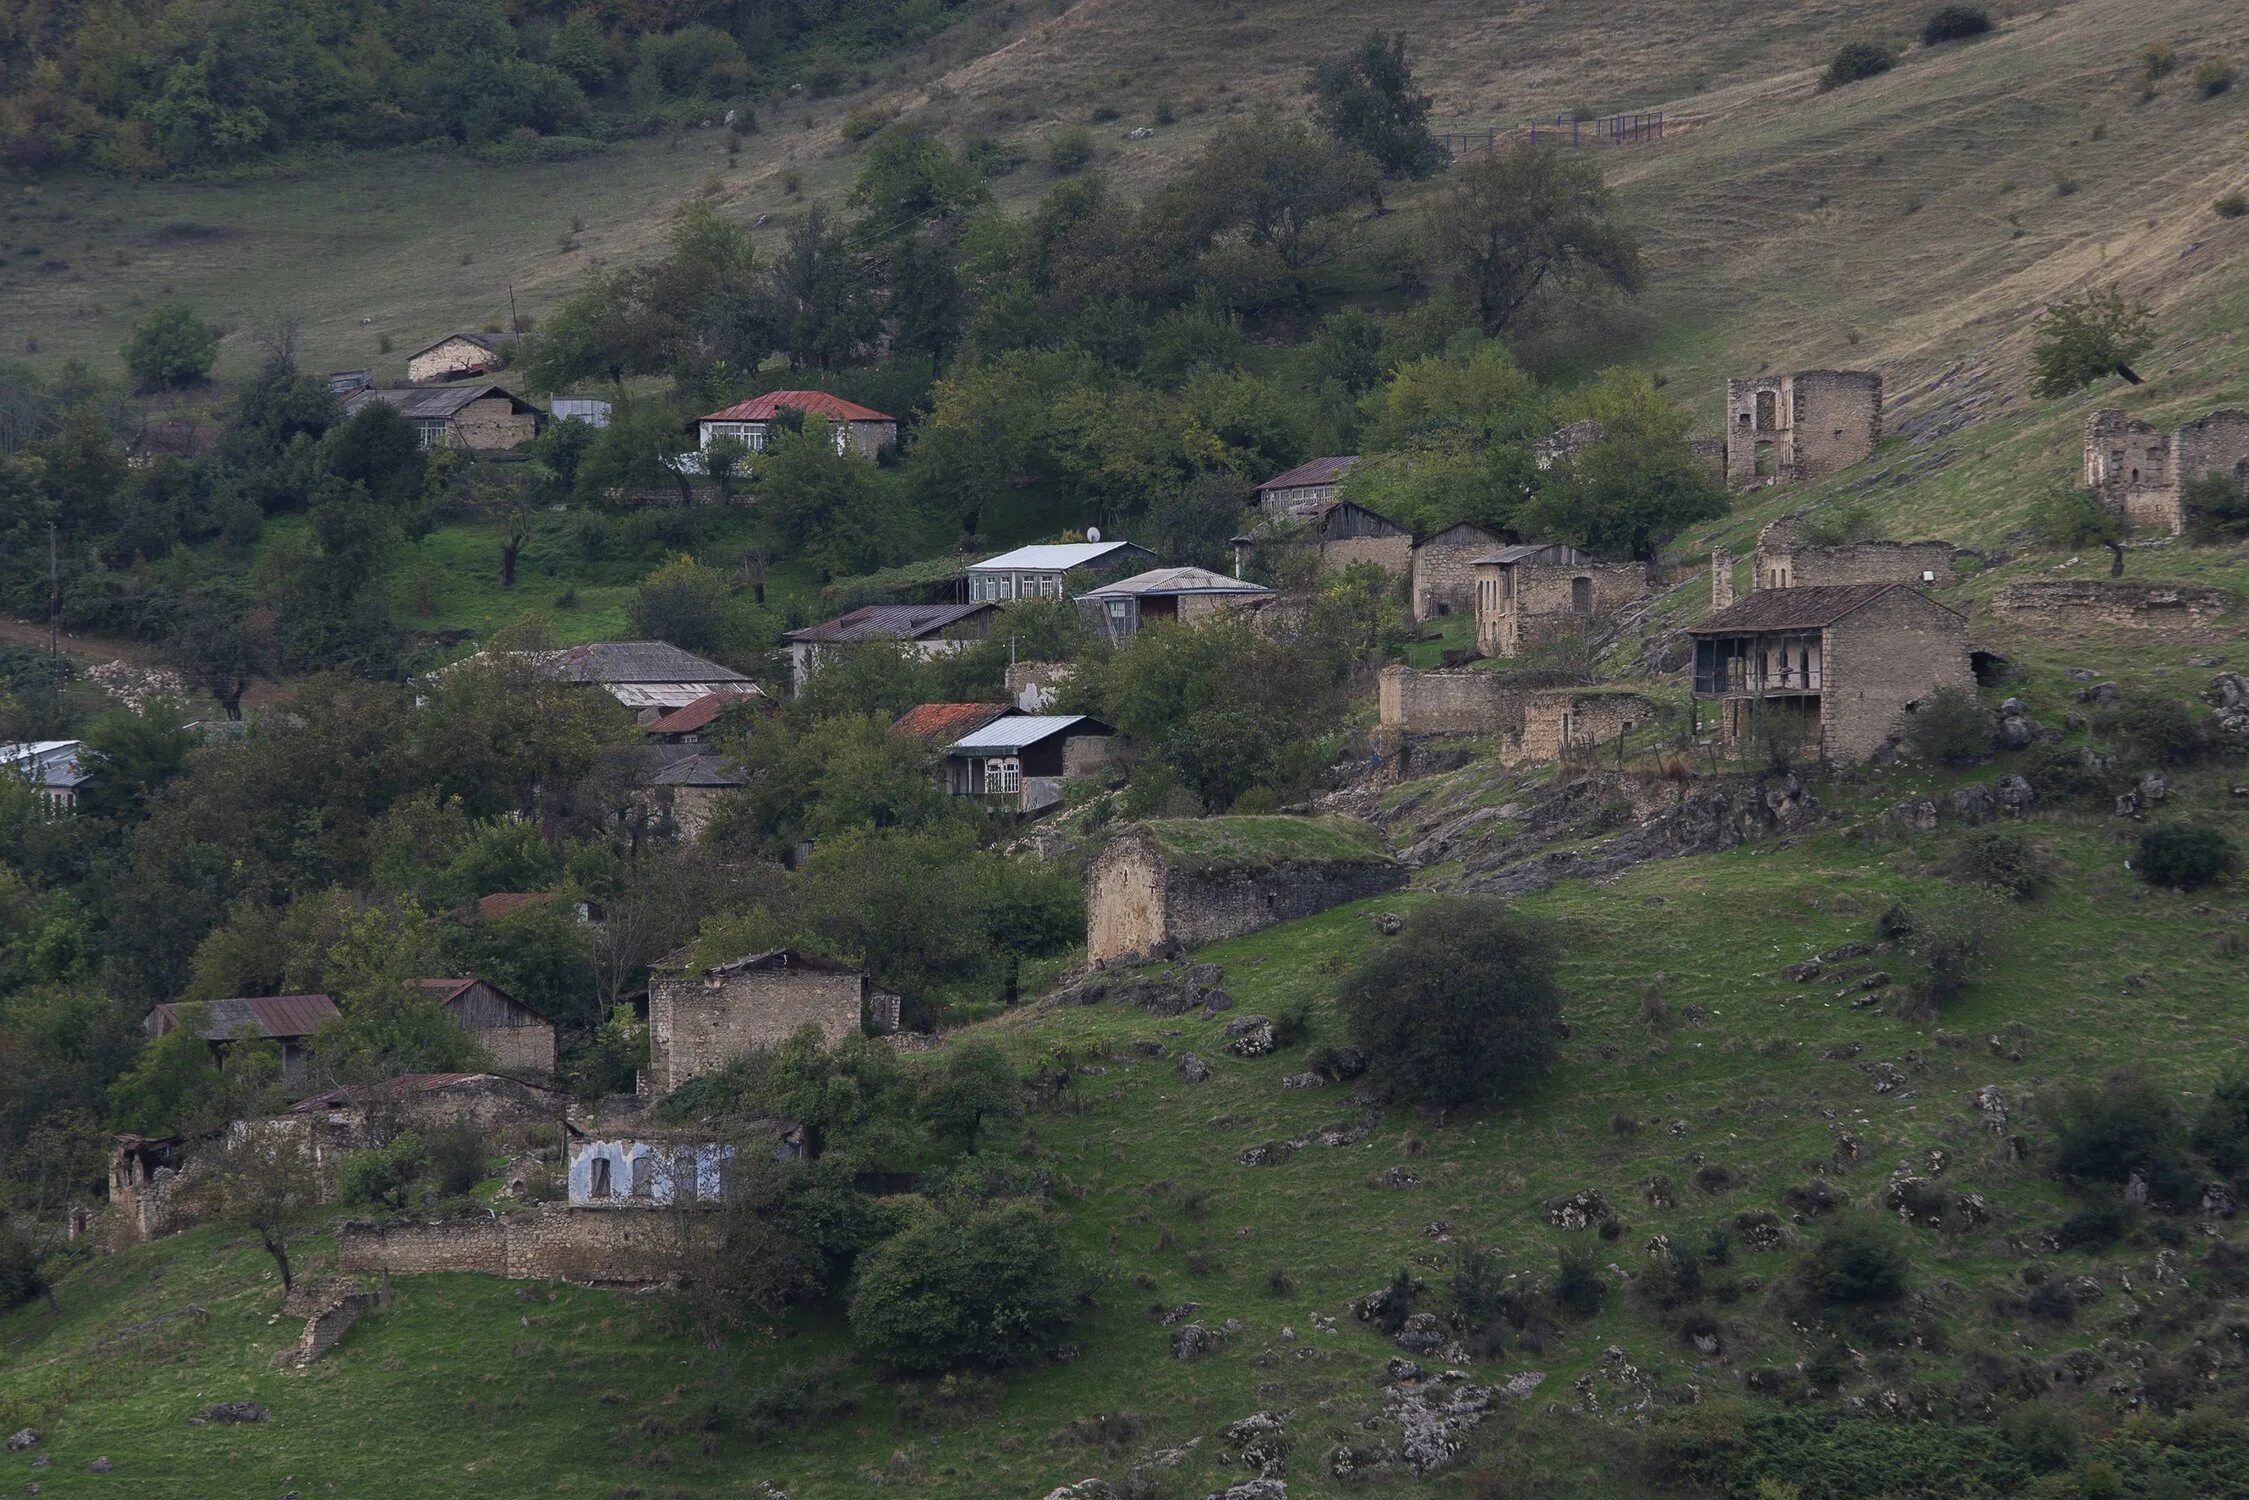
x=599 y=1187
x=1581 y=596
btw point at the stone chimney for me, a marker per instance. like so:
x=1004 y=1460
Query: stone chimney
x=1721 y=578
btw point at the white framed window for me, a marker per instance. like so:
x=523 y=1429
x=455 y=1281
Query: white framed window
x=1003 y=776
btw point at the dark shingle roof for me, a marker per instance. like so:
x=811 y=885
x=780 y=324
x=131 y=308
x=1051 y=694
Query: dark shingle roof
x=430 y=403
x=1810 y=608
x=634 y=661
x=906 y=621
x=1304 y=475
x=696 y=770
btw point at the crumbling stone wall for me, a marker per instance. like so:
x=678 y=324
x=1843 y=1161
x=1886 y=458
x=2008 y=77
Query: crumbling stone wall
x=2073 y=605
x=1138 y=903
x=1785 y=560
x=1782 y=429
x=1880 y=658
x=1393 y=553
x=1124 y=901
x=2142 y=471
x=478 y=1245
x=1447 y=702
x=1554 y=602
x=1560 y=721
x=627 y=1248
x=698 y=1024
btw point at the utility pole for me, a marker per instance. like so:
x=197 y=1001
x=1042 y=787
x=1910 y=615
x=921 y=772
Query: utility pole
x=54 y=606
x=515 y=321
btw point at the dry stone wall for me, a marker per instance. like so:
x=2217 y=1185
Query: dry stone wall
x=621 y=1247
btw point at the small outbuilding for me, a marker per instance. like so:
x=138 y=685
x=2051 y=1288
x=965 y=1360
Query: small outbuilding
x=483 y=417
x=927 y=629
x=520 y=1040
x=1022 y=761
x=1444 y=569
x=460 y=355
x=288 y=1021
x=1176 y=595
x=1306 y=484
x=1037 y=571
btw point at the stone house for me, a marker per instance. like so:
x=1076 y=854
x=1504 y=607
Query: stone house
x=286 y=1020
x=927 y=629
x=689 y=786
x=1342 y=532
x=1034 y=685
x=1021 y=762
x=1171 y=885
x=700 y=1019
x=651 y=678
x=1448 y=702
x=2142 y=471
x=1845 y=662
x=1306 y=484
x=1037 y=571
x=146 y=1199
x=2070 y=606
x=556 y=1242
x=1784 y=559
x=1783 y=429
x=858 y=429
x=520 y=1040
x=459 y=355
x=1178 y=595
x=1444 y=569
x=486 y=418
x=1535 y=594
x=1571 y=723
x=646 y=1172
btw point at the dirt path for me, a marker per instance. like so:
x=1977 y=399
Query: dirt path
x=92 y=650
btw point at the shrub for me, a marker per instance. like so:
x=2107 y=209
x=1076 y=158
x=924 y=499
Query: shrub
x=1705 y=1445
x=2093 y=1227
x=2217 y=507
x=2081 y=339
x=1461 y=1006
x=2163 y=730
x=457 y=1157
x=21 y=1278
x=2158 y=60
x=2231 y=206
x=990 y=1288
x=382 y=1175
x=2046 y=1438
x=1950 y=727
x=2120 y=1128
x=1954 y=23
x=2221 y=1131
x=1855 y=1262
x=1579 y=1289
x=2185 y=856
x=2213 y=78
x=2005 y=860
x=1854 y=61
x=862 y=123
x=171 y=348
x=1069 y=151
x=1292 y=1024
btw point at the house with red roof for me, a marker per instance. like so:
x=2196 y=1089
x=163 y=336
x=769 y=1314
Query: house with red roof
x=858 y=429
x=692 y=725
x=943 y=723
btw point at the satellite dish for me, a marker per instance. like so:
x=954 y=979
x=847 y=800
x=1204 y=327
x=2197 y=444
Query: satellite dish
x=1093 y=533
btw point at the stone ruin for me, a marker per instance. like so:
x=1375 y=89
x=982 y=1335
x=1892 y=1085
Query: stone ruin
x=1788 y=429
x=2142 y=471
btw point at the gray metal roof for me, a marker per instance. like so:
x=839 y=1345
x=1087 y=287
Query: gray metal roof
x=613 y=662
x=1175 y=581
x=904 y=621
x=52 y=763
x=697 y=770
x=1020 y=733
x=1053 y=557
x=430 y=403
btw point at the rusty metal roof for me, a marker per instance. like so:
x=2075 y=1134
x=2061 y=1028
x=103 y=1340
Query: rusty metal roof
x=948 y=721
x=812 y=403
x=700 y=713
x=279 y=1016
x=1304 y=475
x=1809 y=608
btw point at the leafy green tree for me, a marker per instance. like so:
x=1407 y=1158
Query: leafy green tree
x=2086 y=338
x=380 y=449
x=171 y=348
x=135 y=754
x=263 y=1181
x=170 y=1084
x=1461 y=1006
x=685 y=603
x=1531 y=222
x=2186 y=856
x=223 y=642
x=1365 y=99
x=1855 y=1261
x=2217 y=507
x=2071 y=516
x=970 y=1085
x=987 y=1288
x=1634 y=487
x=834 y=510
x=580 y=51
x=825 y=312
x=908 y=179
x=1263 y=205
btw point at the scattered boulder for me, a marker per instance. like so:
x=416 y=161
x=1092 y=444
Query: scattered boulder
x=1261 y=1441
x=1193 y=1068
x=2097 y=692
x=1193 y=1341
x=1305 y=1080
x=2227 y=690
x=98 y=1466
x=1805 y=972
x=233 y=1411
x=25 y=1438
x=2014 y=795
x=1084 y=1489
x=1423 y=1334
x=2154 y=787
x=1389 y=924
x=1847 y=951
x=1975 y=805
x=1435 y=1416
x=1580 y=1210
x=1254 y=1489
x=2017 y=733
x=1249 y=1036
x=1400 y=1177
x=1918 y=815
x=1266 y=1154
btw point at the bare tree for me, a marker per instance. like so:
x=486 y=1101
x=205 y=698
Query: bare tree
x=261 y=1178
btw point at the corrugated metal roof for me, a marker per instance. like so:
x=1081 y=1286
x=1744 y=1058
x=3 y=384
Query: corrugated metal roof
x=948 y=721
x=1052 y=557
x=429 y=403
x=1021 y=732
x=54 y=763
x=701 y=713
x=1305 y=475
x=1539 y=552
x=501 y=903
x=905 y=621
x=697 y=770
x=1809 y=608
x=614 y=662
x=273 y=1016
x=812 y=403
x=1176 y=581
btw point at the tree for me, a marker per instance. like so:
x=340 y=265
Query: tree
x=1530 y=220
x=826 y=314
x=685 y=603
x=1855 y=1261
x=2071 y=516
x=135 y=754
x=380 y=449
x=1634 y=487
x=908 y=179
x=835 y=510
x=171 y=348
x=1365 y=99
x=263 y=1179
x=970 y=1084
x=2217 y=506
x=2086 y=338
x=992 y=1287
x=1460 y=1006
x=1270 y=188
x=223 y=642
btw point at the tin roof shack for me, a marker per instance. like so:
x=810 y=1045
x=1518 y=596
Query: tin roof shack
x=1174 y=884
x=1342 y=532
x=1537 y=593
x=1021 y=761
x=289 y=1020
x=520 y=1040
x=1305 y=484
x=486 y=418
x=700 y=1019
x=1785 y=560
x=1180 y=595
x=459 y=355
x=652 y=678
x=928 y=629
x=1038 y=571
x=1845 y=662
x=1444 y=569
x=858 y=429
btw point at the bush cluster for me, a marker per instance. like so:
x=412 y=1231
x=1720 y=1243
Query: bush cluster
x=1855 y=61
x=1954 y=23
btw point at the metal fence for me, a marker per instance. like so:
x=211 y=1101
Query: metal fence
x=1609 y=130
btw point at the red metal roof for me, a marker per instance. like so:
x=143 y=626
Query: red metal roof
x=812 y=403
x=699 y=714
x=949 y=721
x=271 y=1015
x=501 y=903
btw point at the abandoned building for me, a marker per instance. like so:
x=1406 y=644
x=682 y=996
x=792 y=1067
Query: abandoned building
x=644 y=1172
x=1022 y=762
x=286 y=1020
x=2143 y=472
x=145 y=1199
x=700 y=1019
x=1038 y=571
x=1836 y=667
x=1535 y=594
x=927 y=629
x=371 y=1113
x=858 y=429
x=1178 y=595
x=484 y=417
x=1034 y=684
x=1339 y=532
x=1444 y=569
x=1784 y=429
x=1785 y=559
x=1170 y=885
x=1533 y=724
x=651 y=678
x=1306 y=484
x=460 y=355
x=519 y=1039
x=1410 y=702
x=2069 y=606
x=687 y=788
x=1576 y=722
x=555 y=1242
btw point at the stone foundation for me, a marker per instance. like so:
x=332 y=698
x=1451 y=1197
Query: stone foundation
x=618 y=1247
x=2163 y=608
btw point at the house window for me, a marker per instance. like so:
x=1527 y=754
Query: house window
x=599 y=1186
x=1003 y=776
